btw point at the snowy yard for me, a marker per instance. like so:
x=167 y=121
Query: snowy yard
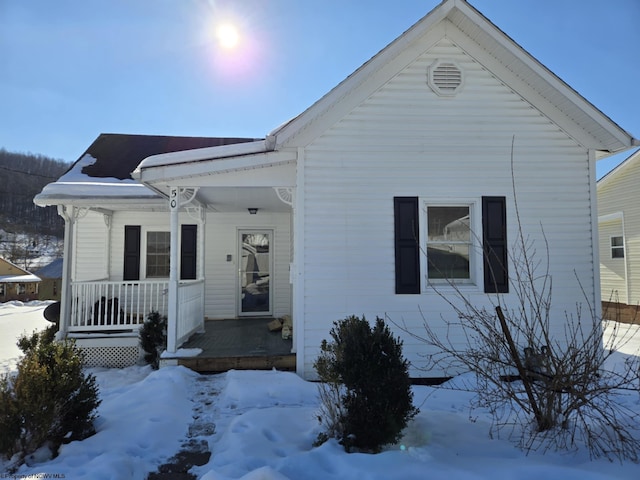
x=265 y=425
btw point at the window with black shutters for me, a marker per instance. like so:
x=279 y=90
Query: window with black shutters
x=458 y=243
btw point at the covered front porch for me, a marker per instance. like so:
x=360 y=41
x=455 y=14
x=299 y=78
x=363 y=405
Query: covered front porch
x=107 y=316
x=238 y=344
x=239 y=262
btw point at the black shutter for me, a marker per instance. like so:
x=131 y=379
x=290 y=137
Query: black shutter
x=494 y=229
x=188 y=256
x=131 y=252
x=407 y=244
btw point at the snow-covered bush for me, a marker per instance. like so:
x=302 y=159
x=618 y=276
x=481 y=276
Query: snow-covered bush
x=153 y=338
x=49 y=401
x=366 y=391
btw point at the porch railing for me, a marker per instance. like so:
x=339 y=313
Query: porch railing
x=103 y=305
x=121 y=306
x=190 y=309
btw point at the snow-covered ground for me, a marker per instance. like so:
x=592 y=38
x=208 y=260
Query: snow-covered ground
x=265 y=424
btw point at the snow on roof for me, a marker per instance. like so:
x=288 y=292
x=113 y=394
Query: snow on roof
x=19 y=278
x=76 y=183
x=104 y=170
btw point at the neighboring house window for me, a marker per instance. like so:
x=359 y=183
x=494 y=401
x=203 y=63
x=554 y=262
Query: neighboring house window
x=449 y=253
x=2 y=290
x=617 y=247
x=158 y=254
x=21 y=289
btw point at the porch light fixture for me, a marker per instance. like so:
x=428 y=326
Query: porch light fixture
x=252 y=211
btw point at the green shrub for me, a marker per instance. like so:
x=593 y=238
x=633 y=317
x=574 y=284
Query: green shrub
x=366 y=390
x=153 y=338
x=49 y=401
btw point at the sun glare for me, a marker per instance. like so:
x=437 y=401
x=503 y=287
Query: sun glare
x=228 y=36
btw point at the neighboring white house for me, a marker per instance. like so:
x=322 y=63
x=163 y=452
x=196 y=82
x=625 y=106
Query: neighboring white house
x=619 y=230
x=357 y=206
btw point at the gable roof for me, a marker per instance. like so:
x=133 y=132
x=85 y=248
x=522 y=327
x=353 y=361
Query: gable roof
x=520 y=70
x=52 y=270
x=472 y=32
x=626 y=164
x=104 y=170
x=21 y=275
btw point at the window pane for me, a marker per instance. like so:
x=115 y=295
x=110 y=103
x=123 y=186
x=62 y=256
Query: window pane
x=617 y=253
x=448 y=261
x=448 y=242
x=448 y=224
x=616 y=241
x=158 y=254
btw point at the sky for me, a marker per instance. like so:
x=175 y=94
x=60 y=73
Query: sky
x=70 y=70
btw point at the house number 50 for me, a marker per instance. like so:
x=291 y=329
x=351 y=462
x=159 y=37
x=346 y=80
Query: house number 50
x=173 y=198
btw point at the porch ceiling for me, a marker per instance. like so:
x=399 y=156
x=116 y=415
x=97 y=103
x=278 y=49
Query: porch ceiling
x=239 y=199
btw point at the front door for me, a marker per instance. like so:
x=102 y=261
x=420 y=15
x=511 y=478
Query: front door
x=256 y=265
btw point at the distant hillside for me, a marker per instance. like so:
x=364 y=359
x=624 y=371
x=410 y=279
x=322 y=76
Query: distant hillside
x=22 y=176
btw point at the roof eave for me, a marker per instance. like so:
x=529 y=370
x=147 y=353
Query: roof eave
x=200 y=154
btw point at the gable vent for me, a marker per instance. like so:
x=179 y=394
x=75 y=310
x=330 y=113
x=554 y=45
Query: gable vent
x=445 y=77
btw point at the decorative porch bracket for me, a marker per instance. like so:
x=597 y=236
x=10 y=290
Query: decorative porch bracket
x=285 y=195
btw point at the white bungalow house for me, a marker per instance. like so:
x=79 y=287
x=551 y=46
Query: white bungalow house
x=619 y=231
x=343 y=209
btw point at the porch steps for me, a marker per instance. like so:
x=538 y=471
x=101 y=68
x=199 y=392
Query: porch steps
x=239 y=344
x=223 y=364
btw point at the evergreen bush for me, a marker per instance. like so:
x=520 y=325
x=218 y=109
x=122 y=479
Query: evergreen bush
x=366 y=390
x=153 y=338
x=50 y=401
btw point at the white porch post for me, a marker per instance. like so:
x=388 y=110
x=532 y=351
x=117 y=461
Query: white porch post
x=202 y=224
x=68 y=213
x=172 y=316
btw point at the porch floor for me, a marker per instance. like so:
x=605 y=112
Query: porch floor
x=240 y=344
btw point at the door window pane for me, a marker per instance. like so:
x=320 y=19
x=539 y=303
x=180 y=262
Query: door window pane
x=254 y=272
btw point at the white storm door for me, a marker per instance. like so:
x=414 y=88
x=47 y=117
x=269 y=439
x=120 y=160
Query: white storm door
x=254 y=272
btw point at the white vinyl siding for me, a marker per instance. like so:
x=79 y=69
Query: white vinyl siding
x=620 y=196
x=404 y=140
x=91 y=248
x=613 y=285
x=221 y=239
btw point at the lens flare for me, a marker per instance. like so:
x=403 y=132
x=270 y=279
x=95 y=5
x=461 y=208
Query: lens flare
x=228 y=36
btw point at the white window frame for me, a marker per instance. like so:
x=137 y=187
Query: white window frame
x=144 y=251
x=3 y=289
x=475 y=258
x=613 y=247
